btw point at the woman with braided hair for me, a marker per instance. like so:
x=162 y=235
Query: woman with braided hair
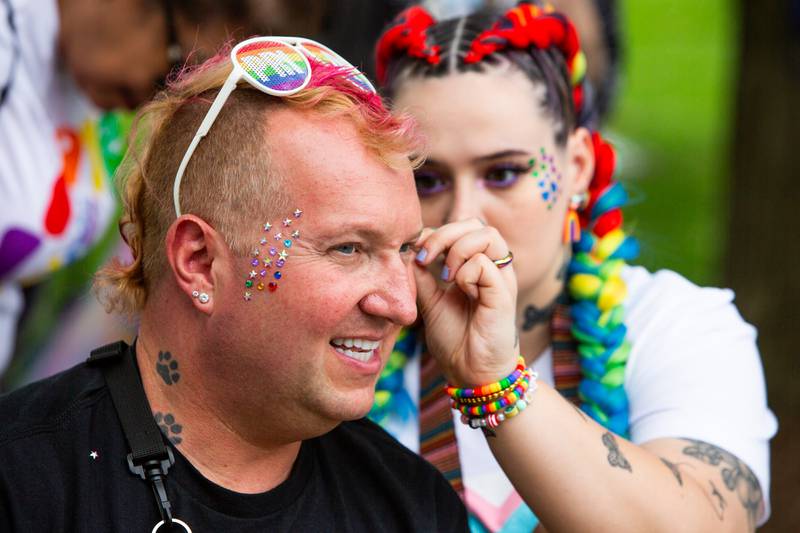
x=609 y=398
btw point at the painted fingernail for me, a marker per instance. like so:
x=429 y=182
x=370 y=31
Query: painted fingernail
x=445 y=273
x=422 y=254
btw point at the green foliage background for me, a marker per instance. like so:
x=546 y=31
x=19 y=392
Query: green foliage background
x=672 y=125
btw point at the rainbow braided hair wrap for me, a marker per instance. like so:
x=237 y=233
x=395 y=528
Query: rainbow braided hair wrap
x=594 y=283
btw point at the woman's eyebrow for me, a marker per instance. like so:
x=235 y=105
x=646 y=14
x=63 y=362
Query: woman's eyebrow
x=500 y=155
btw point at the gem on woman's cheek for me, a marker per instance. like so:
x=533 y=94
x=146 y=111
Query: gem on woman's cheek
x=273 y=251
x=252 y=274
x=287 y=222
x=287 y=243
x=263 y=241
x=263 y=273
x=283 y=255
x=296 y=234
x=267 y=226
x=248 y=296
x=260 y=286
x=278 y=236
x=297 y=213
x=280 y=262
x=277 y=275
x=272 y=286
x=248 y=283
x=254 y=262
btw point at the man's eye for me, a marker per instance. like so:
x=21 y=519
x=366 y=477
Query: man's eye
x=504 y=176
x=346 y=249
x=429 y=182
x=405 y=248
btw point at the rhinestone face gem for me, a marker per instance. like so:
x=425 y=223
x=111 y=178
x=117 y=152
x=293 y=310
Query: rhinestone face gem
x=277 y=275
x=297 y=213
x=287 y=243
x=278 y=236
x=260 y=286
x=263 y=241
x=280 y=262
x=267 y=226
x=287 y=222
x=272 y=286
x=295 y=234
x=263 y=273
x=283 y=255
x=254 y=262
x=248 y=283
x=267 y=262
x=273 y=251
x=252 y=274
x=254 y=252
x=248 y=295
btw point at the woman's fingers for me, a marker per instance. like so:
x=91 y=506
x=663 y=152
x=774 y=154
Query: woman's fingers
x=481 y=280
x=486 y=241
x=434 y=242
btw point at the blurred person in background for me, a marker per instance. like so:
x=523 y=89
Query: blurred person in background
x=64 y=66
x=668 y=373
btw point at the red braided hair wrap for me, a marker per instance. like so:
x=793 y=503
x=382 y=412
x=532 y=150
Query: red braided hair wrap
x=529 y=25
x=407 y=34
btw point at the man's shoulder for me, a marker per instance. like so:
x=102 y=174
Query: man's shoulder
x=49 y=404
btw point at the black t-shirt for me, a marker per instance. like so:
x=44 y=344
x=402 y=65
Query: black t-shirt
x=63 y=468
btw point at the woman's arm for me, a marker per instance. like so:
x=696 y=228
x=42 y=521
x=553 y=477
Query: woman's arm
x=578 y=476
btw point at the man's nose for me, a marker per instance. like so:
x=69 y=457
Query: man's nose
x=394 y=295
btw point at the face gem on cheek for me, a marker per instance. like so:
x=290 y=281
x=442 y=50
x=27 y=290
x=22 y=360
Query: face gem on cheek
x=270 y=252
x=547 y=177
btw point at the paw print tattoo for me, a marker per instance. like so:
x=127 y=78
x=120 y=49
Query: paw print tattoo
x=170 y=429
x=167 y=368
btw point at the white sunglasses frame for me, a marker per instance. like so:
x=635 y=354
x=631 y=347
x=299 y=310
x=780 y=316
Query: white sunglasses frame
x=237 y=74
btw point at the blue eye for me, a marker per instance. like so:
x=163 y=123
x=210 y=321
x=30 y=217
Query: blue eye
x=346 y=249
x=505 y=175
x=429 y=182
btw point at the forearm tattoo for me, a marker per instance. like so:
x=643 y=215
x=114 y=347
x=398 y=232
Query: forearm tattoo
x=673 y=467
x=167 y=368
x=736 y=476
x=169 y=427
x=615 y=457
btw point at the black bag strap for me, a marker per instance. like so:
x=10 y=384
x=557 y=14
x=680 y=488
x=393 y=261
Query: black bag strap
x=150 y=458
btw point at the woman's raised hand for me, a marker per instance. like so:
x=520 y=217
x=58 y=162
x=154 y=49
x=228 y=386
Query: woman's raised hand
x=469 y=314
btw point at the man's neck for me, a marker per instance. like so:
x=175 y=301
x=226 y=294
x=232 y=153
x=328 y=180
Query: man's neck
x=196 y=424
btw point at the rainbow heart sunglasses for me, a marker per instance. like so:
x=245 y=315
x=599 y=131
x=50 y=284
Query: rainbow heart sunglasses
x=275 y=65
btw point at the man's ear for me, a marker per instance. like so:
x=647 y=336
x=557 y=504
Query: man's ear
x=580 y=160
x=192 y=246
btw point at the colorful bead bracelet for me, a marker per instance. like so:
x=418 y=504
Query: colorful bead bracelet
x=491 y=388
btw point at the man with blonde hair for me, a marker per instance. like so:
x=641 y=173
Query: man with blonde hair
x=270 y=282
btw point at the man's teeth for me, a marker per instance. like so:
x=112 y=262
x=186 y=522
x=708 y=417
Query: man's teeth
x=361 y=348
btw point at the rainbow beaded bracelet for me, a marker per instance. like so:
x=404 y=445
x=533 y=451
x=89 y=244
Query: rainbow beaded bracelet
x=491 y=388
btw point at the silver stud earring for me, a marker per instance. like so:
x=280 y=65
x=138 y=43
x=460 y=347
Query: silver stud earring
x=195 y=294
x=203 y=298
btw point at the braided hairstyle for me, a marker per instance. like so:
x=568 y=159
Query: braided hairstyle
x=544 y=45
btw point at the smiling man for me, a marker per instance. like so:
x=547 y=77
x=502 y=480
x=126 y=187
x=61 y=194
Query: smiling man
x=267 y=310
